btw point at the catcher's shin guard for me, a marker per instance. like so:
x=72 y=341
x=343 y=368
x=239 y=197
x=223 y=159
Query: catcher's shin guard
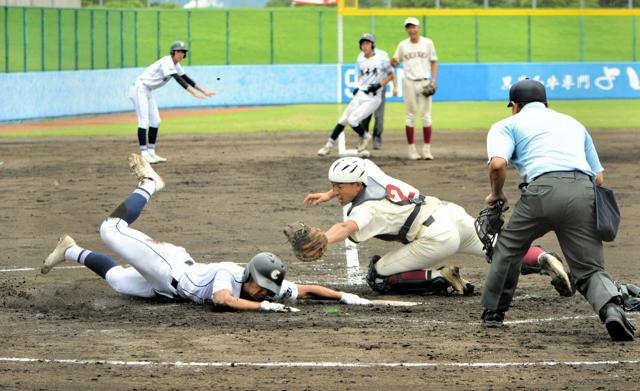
x=418 y=282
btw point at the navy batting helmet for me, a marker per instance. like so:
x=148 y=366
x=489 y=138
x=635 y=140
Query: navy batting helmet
x=179 y=46
x=527 y=91
x=267 y=270
x=368 y=37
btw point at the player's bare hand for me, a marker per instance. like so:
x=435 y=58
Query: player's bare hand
x=316 y=198
x=493 y=198
x=394 y=62
x=394 y=91
x=209 y=93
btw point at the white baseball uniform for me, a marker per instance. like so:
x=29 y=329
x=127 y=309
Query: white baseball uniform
x=432 y=230
x=154 y=76
x=371 y=70
x=168 y=270
x=417 y=59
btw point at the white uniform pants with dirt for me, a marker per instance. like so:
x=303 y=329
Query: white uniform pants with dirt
x=416 y=102
x=362 y=106
x=451 y=232
x=157 y=262
x=146 y=106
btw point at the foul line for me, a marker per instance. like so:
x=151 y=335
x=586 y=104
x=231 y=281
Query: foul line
x=31 y=269
x=318 y=364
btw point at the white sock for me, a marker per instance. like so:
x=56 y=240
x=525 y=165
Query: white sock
x=435 y=274
x=76 y=254
x=143 y=148
x=149 y=187
x=151 y=148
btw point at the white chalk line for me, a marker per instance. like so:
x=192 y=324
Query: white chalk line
x=316 y=364
x=31 y=269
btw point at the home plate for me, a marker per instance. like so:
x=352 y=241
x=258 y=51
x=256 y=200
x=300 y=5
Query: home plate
x=352 y=152
x=395 y=303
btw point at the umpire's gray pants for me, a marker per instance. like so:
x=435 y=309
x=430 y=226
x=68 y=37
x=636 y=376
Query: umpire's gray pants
x=378 y=128
x=562 y=202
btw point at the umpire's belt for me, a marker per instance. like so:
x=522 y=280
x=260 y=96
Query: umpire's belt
x=564 y=174
x=174 y=282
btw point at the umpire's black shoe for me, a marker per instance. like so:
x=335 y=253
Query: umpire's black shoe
x=616 y=322
x=492 y=319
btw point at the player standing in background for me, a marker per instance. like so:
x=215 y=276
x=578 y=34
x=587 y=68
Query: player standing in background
x=155 y=76
x=375 y=73
x=418 y=55
x=378 y=127
x=160 y=268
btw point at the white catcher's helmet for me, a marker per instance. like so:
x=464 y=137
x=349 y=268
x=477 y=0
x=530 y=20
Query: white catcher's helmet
x=348 y=170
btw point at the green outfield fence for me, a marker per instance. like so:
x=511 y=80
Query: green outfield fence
x=44 y=39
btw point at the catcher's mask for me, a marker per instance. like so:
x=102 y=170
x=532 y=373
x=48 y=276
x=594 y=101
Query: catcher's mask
x=527 y=91
x=178 y=46
x=348 y=170
x=367 y=37
x=267 y=270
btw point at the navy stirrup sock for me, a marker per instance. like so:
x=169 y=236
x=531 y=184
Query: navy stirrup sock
x=131 y=208
x=142 y=136
x=336 y=131
x=99 y=263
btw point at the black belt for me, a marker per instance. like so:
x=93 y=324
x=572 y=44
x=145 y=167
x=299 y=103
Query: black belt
x=174 y=282
x=564 y=174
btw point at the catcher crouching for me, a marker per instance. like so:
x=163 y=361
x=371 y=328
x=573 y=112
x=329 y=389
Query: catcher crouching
x=429 y=229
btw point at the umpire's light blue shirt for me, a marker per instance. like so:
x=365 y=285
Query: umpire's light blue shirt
x=538 y=140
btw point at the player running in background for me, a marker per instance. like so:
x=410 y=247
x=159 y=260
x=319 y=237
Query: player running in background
x=160 y=268
x=155 y=76
x=375 y=73
x=418 y=55
x=430 y=230
x=378 y=127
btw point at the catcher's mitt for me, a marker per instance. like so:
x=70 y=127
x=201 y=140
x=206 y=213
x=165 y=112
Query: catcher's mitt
x=429 y=89
x=308 y=244
x=488 y=225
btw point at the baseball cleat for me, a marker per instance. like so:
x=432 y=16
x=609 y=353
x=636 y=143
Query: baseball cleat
x=324 y=151
x=413 y=154
x=57 y=255
x=146 y=155
x=492 y=319
x=141 y=168
x=364 y=141
x=158 y=158
x=459 y=285
x=426 y=152
x=551 y=265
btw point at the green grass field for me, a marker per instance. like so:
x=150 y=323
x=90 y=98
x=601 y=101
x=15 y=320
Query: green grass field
x=451 y=116
x=299 y=37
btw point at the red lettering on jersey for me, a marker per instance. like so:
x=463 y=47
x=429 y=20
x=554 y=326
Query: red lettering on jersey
x=395 y=193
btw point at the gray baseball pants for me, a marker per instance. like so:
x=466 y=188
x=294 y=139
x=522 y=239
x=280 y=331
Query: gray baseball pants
x=562 y=202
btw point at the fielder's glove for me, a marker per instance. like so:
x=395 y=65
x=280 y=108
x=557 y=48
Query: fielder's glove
x=488 y=226
x=308 y=244
x=429 y=89
x=351 y=299
x=374 y=87
x=276 y=307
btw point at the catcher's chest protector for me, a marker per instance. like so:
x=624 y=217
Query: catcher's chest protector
x=398 y=193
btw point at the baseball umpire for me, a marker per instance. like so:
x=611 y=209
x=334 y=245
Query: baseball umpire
x=155 y=76
x=430 y=230
x=375 y=73
x=418 y=54
x=559 y=164
x=160 y=268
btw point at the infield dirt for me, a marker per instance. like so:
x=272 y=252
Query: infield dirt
x=228 y=197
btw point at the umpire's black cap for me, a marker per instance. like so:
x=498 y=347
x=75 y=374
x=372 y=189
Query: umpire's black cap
x=526 y=91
